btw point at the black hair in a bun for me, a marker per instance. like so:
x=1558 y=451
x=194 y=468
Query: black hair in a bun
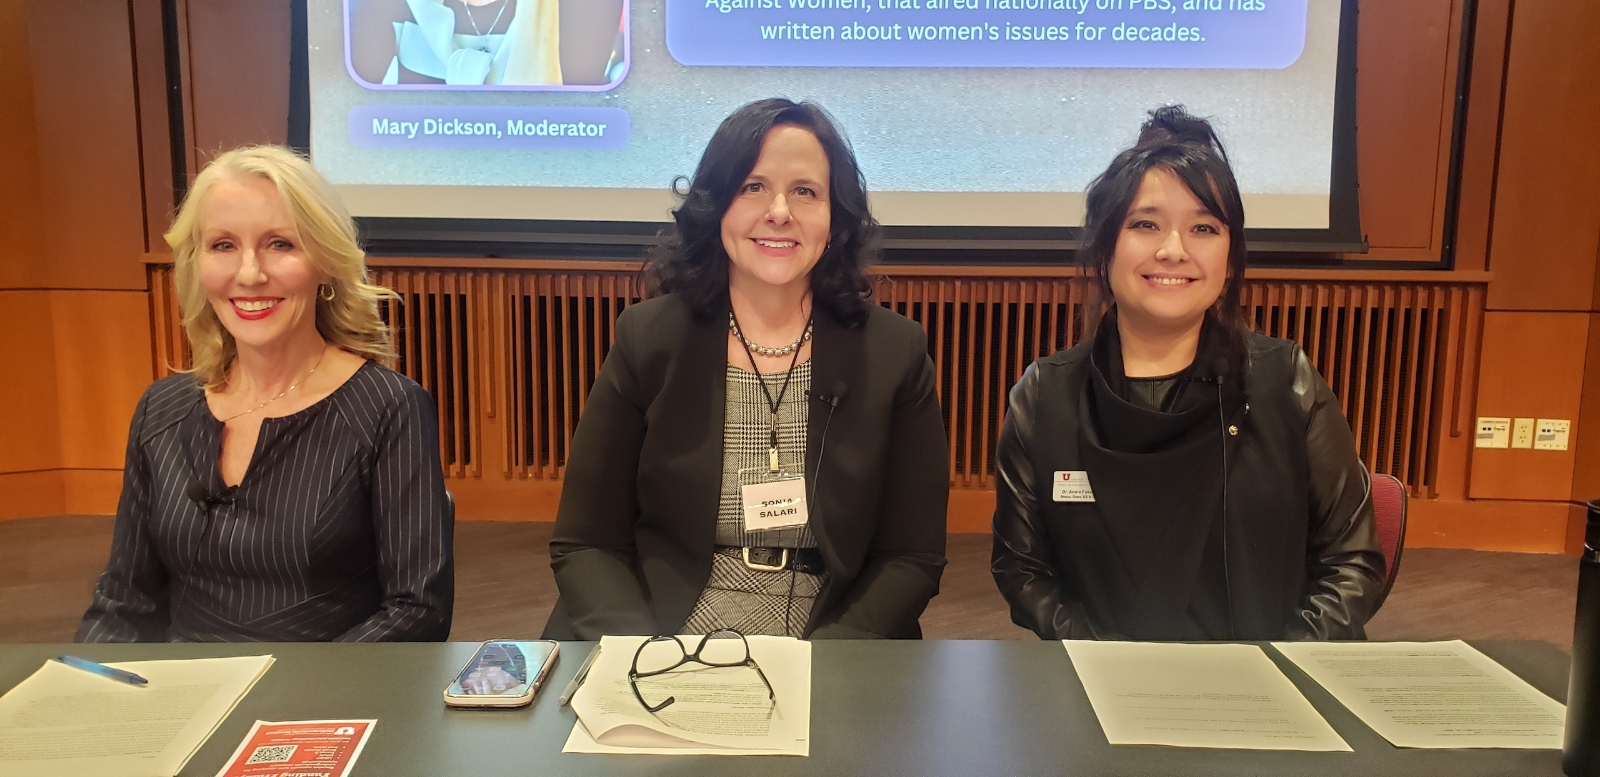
x=1187 y=146
x=1172 y=124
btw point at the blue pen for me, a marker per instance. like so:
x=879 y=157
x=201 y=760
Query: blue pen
x=102 y=670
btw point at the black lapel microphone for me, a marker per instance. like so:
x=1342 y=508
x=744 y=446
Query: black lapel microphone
x=840 y=389
x=203 y=497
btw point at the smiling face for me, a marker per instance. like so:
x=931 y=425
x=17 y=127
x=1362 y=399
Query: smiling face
x=1171 y=261
x=257 y=277
x=778 y=225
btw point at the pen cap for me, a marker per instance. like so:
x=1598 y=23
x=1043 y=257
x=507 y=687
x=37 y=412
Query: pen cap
x=1581 y=754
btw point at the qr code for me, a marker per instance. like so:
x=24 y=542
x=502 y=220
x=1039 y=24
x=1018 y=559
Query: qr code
x=272 y=754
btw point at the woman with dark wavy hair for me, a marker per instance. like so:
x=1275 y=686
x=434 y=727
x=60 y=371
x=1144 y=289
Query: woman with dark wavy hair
x=1176 y=476
x=763 y=449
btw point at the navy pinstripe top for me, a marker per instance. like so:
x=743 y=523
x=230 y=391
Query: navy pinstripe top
x=341 y=529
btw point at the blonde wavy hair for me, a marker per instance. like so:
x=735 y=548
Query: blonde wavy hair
x=350 y=320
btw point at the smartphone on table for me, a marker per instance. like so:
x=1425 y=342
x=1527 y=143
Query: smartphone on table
x=502 y=673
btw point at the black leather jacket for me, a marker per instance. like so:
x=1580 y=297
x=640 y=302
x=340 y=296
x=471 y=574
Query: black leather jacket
x=1318 y=577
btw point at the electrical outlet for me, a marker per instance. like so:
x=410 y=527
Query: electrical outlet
x=1550 y=434
x=1522 y=433
x=1494 y=432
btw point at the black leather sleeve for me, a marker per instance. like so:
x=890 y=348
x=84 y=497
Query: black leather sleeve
x=1023 y=562
x=1343 y=559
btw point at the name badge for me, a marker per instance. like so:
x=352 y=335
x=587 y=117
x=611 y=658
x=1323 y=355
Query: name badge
x=776 y=504
x=1071 y=486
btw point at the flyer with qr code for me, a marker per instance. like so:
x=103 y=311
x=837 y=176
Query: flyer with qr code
x=305 y=748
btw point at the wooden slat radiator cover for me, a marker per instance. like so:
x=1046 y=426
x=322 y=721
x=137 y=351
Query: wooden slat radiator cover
x=510 y=354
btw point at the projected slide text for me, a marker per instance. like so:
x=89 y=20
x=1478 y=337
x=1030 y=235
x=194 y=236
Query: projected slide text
x=1240 y=34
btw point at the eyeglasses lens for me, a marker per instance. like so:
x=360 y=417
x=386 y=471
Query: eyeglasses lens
x=659 y=655
x=724 y=648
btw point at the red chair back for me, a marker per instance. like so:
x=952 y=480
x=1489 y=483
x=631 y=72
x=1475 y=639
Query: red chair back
x=1389 y=513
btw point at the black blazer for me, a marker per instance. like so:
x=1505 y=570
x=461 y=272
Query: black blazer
x=341 y=529
x=636 y=528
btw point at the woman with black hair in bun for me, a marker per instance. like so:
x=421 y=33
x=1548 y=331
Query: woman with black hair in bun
x=763 y=449
x=1176 y=476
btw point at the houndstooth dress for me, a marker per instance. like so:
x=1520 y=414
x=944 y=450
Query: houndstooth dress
x=735 y=596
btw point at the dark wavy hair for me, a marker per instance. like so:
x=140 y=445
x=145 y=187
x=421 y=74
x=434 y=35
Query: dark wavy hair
x=1189 y=148
x=689 y=258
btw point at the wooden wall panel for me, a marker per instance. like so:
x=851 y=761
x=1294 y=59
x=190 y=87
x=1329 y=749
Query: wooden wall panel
x=1481 y=143
x=102 y=348
x=88 y=143
x=1546 y=218
x=28 y=405
x=22 y=263
x=90 y=491
x=1518 y=527
x=155 y=140
x=1404 y=107
x=32 y=494
x=1586 y=437
x=59 y=492
x=1533 y=367
x=238 y=66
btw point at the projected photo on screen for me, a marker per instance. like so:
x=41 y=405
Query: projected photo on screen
x=477 y=44
x=964 y=113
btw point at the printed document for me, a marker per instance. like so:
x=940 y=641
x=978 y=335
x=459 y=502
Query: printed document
x=1217 y=695
x=63 y=720
x=718 y=710
x=1432 y=694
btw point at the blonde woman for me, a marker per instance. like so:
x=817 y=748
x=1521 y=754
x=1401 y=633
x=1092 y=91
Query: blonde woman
x=288 y=486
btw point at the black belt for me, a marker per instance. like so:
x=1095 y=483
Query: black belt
x=804 y=560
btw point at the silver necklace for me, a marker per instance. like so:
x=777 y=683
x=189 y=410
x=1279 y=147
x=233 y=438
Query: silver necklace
x=733 y=326
x=470 y=18
x=286 y=391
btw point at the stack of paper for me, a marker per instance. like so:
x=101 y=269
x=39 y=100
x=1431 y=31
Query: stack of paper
x=719 y=711
x=1432 y=694
x=63 y=721
x=1150 y=693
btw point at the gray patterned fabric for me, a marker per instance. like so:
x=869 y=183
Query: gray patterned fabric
x=776 y=603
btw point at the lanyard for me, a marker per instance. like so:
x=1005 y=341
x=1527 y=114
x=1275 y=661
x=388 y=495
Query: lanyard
x=772 y=404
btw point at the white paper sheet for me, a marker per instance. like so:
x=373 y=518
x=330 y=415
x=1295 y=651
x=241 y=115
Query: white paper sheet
x=1221 y=695
x=719 y=711
x=63 y=720
x=1432 y=694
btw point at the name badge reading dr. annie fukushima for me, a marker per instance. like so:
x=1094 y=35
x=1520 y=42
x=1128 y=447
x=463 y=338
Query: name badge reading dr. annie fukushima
x=776 y=504
x=1071 y=486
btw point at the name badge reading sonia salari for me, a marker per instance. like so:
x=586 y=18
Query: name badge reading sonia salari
x=1071 y=486
x=775 y=504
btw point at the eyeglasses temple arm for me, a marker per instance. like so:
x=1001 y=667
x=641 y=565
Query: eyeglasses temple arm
x=771 y=694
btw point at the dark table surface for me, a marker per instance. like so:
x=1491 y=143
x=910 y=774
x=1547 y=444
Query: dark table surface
x=878 y=708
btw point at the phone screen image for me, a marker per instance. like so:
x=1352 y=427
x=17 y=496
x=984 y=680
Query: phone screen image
x=501 y=669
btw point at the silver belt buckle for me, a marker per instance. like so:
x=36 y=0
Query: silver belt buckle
x=783 y=562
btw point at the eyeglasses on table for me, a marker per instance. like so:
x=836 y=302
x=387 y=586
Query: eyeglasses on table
x=659 y=655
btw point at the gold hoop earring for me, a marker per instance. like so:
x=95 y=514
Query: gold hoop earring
x=326 y=292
